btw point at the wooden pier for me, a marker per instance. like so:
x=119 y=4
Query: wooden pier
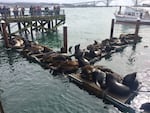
x=28 y=23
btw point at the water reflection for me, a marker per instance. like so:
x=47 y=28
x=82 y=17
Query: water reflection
x=52 y=40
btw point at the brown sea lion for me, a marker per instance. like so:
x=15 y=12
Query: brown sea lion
x=86 y=72
x=68 y=67
x=16 y=42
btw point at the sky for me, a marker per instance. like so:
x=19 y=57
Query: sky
x=76 y=1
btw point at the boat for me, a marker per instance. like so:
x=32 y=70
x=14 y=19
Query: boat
x=132 y=14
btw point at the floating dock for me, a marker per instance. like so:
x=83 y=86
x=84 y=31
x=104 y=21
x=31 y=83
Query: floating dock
x=122 y=103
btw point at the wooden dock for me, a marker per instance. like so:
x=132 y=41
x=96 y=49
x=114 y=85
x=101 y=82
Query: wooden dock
x=28 y=23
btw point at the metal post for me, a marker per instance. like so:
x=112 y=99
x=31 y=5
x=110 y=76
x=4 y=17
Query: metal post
x=65 y=39
x=112 y=28
x=5 y=34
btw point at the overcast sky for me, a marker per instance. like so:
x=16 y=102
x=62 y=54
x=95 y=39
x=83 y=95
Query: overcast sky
x=49 y=1
x=73 y=1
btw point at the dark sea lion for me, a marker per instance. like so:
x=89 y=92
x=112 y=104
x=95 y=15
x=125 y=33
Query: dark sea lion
x=146 y=107
x=99 y=78
x=95 y=46
x=70 y=49
x=130 y=77
x=95 y=53
x=131 y=81
x=78 y=52
x=83 y=62
x=116 y=87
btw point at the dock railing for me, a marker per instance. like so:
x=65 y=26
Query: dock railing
x=27 y=13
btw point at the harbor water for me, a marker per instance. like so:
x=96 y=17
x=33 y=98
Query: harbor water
x=25 y=87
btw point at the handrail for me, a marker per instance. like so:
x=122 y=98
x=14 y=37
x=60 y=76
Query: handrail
x=27 y=13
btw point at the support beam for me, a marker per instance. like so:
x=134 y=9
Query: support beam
x=49 y=25
x=5 y=34
x=31 y=31
x=19 y=27
x=9 y=30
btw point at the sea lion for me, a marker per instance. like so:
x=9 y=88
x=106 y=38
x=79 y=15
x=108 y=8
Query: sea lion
x=146 y=107
x=92 y=54
x=115 y=87
x=83 y=62
x=86 y=72
x=78 y=52
x=131 y=81
x=95 y=46
x=99 y=78
x=16 y=42
x=95 y=53
x=67 y=67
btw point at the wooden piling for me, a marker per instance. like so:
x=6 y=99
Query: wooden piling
x=49 y=25
x=26 y=35
x=31 y=31
x=42 y=26
x=36 y=28
x=112 y=29
x=52 y=24
x=9 y=30
x=5 y=34
x=56 y=24
x=19 y=27
x=65 y=39
x=137 y=28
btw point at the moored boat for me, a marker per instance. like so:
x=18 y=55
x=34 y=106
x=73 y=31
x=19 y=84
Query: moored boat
x=132 y=14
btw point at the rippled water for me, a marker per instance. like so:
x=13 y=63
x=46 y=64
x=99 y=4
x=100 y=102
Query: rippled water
x=25 y=87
